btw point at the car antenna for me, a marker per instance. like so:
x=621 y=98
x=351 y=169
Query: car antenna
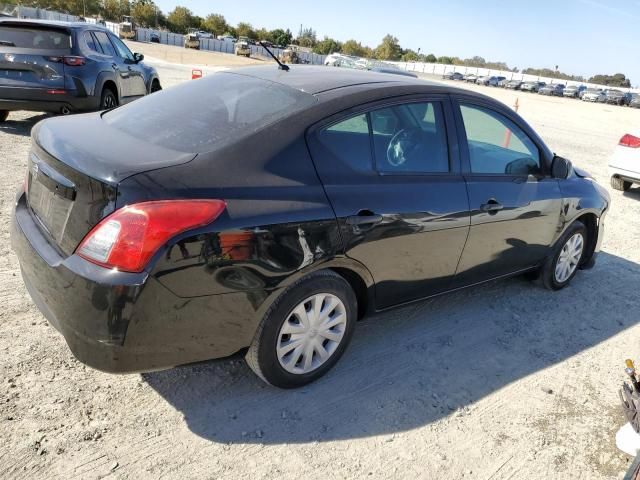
x=282 y=66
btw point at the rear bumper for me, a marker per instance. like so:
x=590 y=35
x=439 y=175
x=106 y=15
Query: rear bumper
x=38 y=100
x=122 y=322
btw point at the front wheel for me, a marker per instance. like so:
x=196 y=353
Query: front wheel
x=562 y=265
x=620 y=184
x=3 y=115
x=305 y=331
x=155 y=86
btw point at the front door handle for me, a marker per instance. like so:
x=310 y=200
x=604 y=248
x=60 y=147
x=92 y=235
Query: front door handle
x=114 y=66
x=492 y=206
x=364 y=219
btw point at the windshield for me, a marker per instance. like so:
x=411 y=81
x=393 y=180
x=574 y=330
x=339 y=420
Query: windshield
x=592 y=90
x=201 y=115
x=28 y=37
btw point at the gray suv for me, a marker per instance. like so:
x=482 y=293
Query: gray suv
x=67 y=67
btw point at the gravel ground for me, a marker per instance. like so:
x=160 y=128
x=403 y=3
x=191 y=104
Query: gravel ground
x=506 y=380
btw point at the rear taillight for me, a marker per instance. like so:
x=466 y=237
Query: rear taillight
x=129 y=237
x=75 y=61
x=630 y=141
x=72 y=61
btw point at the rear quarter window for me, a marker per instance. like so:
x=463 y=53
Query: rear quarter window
x=202 y=115
x=28 y=37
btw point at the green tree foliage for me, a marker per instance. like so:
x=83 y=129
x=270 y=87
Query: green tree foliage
x=351 y=47
x=281 y=37
x=144 y=12
x=307 y=38
x=245 y=29
x=431 y=58
x=215 y=23
x=389 y=49
x=616 y=80
x=180 y=19
x=327 y=46
x=409 y=55
x=547 y=72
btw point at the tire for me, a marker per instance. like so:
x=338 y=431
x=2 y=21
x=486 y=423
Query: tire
x=108 y=99
x=3 y=115
x=262 y=356
x=620 y=184
x=155 y=86
x=552 y=275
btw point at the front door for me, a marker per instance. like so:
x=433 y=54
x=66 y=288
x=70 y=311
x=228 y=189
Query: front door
x=135 y=75
x=515 y=204
x=397 y=191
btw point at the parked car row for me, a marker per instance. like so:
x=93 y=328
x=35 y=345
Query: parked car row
x=582 y=92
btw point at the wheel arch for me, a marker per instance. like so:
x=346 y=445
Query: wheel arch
x=106 y=79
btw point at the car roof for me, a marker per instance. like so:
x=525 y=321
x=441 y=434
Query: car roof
x=317 y=79
x=50 y=23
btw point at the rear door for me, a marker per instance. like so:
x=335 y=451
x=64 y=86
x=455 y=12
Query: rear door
x=31 y=56
x=117 y=63
x=515 y=204
x=392 y=174
x=136 y=81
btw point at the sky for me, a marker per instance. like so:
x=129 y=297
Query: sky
x=581 y=37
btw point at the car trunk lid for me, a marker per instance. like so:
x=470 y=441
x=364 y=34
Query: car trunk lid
x=32 y=56
x=72 y=180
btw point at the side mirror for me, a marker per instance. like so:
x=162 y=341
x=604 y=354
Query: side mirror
x=560 y=167
x=138 y=57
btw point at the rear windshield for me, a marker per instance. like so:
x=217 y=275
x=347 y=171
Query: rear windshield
x=201 y=115
x=28 y=37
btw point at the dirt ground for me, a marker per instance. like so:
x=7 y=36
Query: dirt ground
x=503 y=381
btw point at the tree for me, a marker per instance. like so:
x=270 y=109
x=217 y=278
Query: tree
x=389 y=49
x=351 y=47
x=616 y=80
x=215 y=23
x=245 y=30
x=144 y=12
x=307 y=37
x=431 y=58
x=263 y=34
x=180 y=19
x=409 y=55
x=327 y=46
x=281 y=37
x=111 y=10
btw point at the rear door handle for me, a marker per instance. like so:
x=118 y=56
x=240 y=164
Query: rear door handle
x=364 y=219
x=492 y=205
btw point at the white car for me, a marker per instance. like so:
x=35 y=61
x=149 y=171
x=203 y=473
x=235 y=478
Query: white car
x=624 y=165
x=594 y=95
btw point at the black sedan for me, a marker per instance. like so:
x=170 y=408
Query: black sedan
x=280 y=209
x=65 y=67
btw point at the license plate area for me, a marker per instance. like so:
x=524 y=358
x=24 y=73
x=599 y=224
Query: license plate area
x=50 y=198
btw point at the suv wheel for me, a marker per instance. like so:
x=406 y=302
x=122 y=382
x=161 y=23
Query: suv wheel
x=155 y=86
x=108 y=99
x=620 y=184
x=562 y=265
x=305 y=331
x=3 y=115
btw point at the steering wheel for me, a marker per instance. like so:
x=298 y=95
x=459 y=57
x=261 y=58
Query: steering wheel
x=402 y=145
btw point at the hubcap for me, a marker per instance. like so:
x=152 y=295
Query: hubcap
x=109 y=102
x=311 y=333
x=569 y=258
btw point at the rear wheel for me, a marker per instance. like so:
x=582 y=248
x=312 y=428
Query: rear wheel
x=561 y=267
x=305 y=331
x=619 y=184
x=3 y=115
x=108 y=99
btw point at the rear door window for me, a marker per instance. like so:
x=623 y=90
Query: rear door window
x=348 y=144
x=410 y=138
x=107 y=48
x=39 y=38
x=92 y=43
